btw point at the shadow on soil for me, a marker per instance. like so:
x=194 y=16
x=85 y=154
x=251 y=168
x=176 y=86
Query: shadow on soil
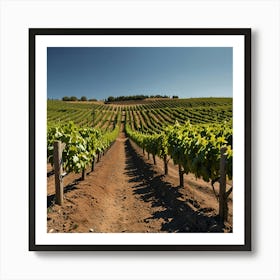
x=68 y=188
x=178 y=216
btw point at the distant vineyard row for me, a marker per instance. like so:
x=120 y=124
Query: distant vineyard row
x=150 y=116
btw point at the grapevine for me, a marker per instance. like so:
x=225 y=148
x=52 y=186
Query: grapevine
x=81 y=144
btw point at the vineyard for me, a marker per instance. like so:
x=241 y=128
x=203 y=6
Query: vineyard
x=192 y=136
x=147 y=116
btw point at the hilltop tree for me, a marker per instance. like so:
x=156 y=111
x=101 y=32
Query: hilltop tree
x=73 y=98
x=111 y=99
x=83 y=98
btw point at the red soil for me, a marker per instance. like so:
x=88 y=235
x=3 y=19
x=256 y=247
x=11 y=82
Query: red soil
x=127 y=193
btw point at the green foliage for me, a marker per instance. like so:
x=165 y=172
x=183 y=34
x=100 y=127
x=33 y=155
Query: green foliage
x=195 y=147
x=81 y=144
x=110 y=99
x=66 y=98
x=73 y=98
x=133 y=97
x=198 y=148
x=83 y=98
x=203 y=126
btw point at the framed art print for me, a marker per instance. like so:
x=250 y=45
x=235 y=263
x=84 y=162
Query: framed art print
x=140 y=139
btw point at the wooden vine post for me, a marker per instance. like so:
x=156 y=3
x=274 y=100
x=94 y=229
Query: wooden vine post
x=57 y=156
x=154 y=159
x=223 y=207
x=165 y=165
x=181 y=175
x=98 y=156
x=83 y=174
x=92 y=164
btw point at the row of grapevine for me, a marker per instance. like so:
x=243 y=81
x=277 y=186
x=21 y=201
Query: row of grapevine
x=82 y=145
x=173 y=103
x=147 y=117
x=155 y=120
x=82 y=114
x=194 y=148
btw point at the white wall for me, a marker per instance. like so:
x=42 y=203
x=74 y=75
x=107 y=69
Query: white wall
x=16 y=262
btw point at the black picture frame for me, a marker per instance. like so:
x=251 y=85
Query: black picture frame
x=243 y=32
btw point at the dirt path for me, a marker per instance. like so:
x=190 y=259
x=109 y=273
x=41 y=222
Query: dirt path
x=120 y=210
x=106 y=201
x=126 y=193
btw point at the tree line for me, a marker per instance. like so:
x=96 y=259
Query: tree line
x=135 y=97
x=118 y=98
x=74 y=98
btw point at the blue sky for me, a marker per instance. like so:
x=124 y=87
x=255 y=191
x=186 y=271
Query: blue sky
x=102 y=72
